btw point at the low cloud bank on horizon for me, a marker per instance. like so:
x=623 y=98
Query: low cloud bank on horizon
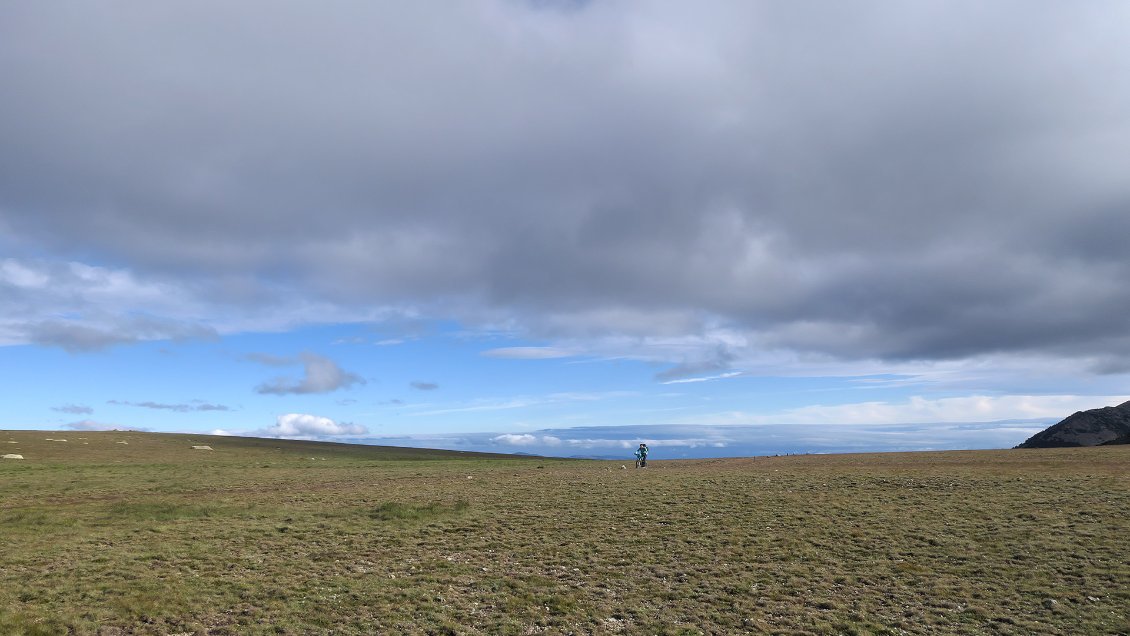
x=688 y=442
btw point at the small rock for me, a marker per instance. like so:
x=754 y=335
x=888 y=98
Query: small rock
x=13 y=456
x=209 y=448
x=1050 y=603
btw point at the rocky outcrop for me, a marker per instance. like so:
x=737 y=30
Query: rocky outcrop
x=1110 y=424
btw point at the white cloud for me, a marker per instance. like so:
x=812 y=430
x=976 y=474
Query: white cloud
x=977 y=408
x=525 y=439
x=15 y=273
x=723 y=376
x=512 y=439
x=303 y=425
x=528 y=353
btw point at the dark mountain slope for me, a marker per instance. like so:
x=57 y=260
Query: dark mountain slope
x=1086 y=428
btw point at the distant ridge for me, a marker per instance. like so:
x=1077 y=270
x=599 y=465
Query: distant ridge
x=1106 y=425
x=147 y=447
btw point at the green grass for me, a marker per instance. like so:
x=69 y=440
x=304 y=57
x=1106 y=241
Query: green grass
x=256 y=537
x=395 y=510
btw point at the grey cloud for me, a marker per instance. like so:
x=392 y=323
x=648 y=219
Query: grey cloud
x=720 y=359
x=73 y=409
x=424 y=386
x=320 y=375
x=75 y=336
x=927 y=180
x=195 y=405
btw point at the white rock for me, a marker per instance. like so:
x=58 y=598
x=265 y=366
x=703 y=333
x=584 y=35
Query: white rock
x=13 y=456
x=201 y=448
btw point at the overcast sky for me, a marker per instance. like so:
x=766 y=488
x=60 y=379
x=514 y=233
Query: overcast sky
x=687 y=213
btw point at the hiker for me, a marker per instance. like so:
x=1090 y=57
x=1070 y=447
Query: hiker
x=641 y=456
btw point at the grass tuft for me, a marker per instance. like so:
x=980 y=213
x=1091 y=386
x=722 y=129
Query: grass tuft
x=391 y=510
x=157 y=511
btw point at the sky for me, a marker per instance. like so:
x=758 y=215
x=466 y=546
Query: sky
x=564 y=226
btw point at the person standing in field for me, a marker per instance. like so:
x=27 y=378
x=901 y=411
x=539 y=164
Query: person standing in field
x=641 y=456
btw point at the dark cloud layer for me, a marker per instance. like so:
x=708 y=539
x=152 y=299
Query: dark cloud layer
x=928 y=180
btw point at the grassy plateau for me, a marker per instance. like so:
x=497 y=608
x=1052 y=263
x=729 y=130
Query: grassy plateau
x=114 y=533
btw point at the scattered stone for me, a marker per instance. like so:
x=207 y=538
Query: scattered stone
x=121 y=442
x=12 y=441
x=623 y=467
x=56 y=440
x=1050 y=603
x=204 y=448
x=13 y=456
x=470 y=477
